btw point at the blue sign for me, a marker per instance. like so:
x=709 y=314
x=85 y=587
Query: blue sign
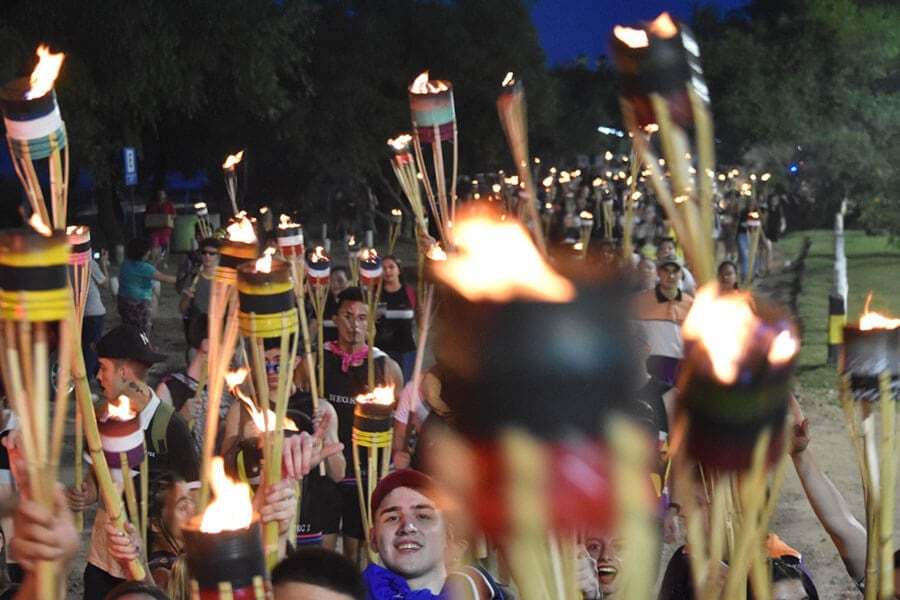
x=130 y=165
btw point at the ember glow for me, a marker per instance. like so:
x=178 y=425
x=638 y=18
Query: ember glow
x=872 y=320
x=121 y=410
x=232 y=509
x=383 y=395
x=497 y=261
x=241 y=230
x=37 y=223
x=423 y=85
x=727 y=327
x=232 y=161
x=45 y=72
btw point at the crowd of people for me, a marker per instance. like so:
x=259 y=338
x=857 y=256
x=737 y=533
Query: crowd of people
x=419 y=545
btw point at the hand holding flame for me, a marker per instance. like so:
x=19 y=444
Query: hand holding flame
x=304 y=452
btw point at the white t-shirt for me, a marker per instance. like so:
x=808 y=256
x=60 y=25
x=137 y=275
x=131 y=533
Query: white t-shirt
x=93 y=306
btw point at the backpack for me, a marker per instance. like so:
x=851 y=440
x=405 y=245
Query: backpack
x=159 y=427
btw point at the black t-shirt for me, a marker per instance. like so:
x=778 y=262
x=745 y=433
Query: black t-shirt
x=395 y=330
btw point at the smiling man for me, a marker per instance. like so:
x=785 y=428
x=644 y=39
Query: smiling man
x=410 y=535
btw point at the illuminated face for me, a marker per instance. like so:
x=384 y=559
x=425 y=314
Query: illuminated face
x=664 y=248
x=352 y=322
x=209 y=257
x=178 y=510
x=607 y=552
x=273 y=366
x=338 y=282
x=410 y=535
x=110 y=377
x=789 y=589
x=390 y=271
x=727 y=277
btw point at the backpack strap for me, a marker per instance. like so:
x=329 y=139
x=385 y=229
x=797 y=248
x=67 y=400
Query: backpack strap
x=159 y=427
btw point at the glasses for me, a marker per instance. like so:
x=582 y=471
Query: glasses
x=209 y=253
x=271 y=367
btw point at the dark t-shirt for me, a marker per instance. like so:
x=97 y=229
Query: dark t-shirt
x=395 y=329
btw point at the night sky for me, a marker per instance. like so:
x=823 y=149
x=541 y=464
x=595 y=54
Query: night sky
x=569 y=28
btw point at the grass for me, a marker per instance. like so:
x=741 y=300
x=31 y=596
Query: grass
x=872 y=265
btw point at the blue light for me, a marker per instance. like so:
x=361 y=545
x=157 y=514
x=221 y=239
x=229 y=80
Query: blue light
x=793 y=168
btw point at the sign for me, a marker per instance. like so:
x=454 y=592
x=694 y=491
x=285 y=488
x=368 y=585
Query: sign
x=130 y=165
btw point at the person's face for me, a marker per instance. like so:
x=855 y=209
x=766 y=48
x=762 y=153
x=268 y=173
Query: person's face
x=390 y=271
x=111 y=377
x=647 y=271
x=664 y=248
x=292 y=590
x=607 y=552
x=727 y=277
x=338 y=282
x=273 y=366
x=178 y=510
x=352 y=322
x=789 y=589
x=209 y=257
x=409 y=534
x=669 y=276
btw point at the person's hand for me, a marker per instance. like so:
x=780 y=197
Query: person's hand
x=304 y=452
x=43 y=533
x=425 y=240
x=195 y=407
x=124 y=546
x=279 y=503
x=79 y=498
x=586 y=574
x=800 y=436
x=104 y=259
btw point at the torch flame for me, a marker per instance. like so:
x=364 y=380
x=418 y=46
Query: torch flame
x=284 y=221
x=547 y=181
x=264 y=264
x=872 y=320
x=241 y=230
x=726 y=325
x=37 y=223
x=232 y=509
x=121 y=410
x=423 y=85
x=232 y=161
x=318 y=255
x=664 y=27
x=264 y=420
x=199 y=206
x=497 y=261
x=400 y=143
x=436 y=252
x=633 y=38
x=396 y=212
x=45 y=72
x=383 y=394
x=585 y=216
x=368 y=254
x=509 y=80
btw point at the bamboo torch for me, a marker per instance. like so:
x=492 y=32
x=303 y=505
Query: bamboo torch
x=80 y=264
x=395 y=224
x=35 y=296
x=224 y=545
x=586 y=225
x=206 y=228
x=318 y=272
x=370 y=277
x=870 y=374
x=513 y=113
x=353 y=250
x=35 y=130
x=663 y=90
x=229 y=171
x=240 y=246
x=404 y=167
x=434 y=122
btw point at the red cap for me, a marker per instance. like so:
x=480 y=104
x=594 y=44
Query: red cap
x=408 y=478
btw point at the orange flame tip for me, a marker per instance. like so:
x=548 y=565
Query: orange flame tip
x=121 y=410
x=37 y=223
x=241 y=230
x=422 y=85
x=45 y=72
x=232 y=508
x=232 y=160
x=383 y=395
x=872 y=320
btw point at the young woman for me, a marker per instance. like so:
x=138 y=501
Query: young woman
x=136 y=279
x=395 y=328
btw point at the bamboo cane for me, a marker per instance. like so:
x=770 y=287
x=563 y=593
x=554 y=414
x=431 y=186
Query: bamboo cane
x=888 y=484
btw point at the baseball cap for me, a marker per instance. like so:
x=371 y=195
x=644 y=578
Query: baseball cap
x=408 y=478
x=129 y=342
x=668 y=259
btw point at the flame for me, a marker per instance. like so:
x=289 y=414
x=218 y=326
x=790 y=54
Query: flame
x=232 y=161
x=651 y=128
x=368 y=254
x=383 y=394
x=765 y=177
x=76 y=230
x=396 y=212
x=400 y=143
x=232 y=509
x=509 y=80
x=199 y=206
x=37 y=223
x=45 y=72
x=351 y=241
x=548 y=181
x=241 y=230
x=436 y=252
x=726 y=326
x=585 y=216
x=264 y=420
x=872 y=320
x=663 y=26
x=318 y=255
x=121 y=410
x=264 y=264
x=633 y=38
x=753 y=215
x=423 y=85
x=497 y=261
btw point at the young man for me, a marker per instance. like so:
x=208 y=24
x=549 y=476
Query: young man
x=125 y=356
x=317 y=574
x=661 y=311
x=346 y=377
